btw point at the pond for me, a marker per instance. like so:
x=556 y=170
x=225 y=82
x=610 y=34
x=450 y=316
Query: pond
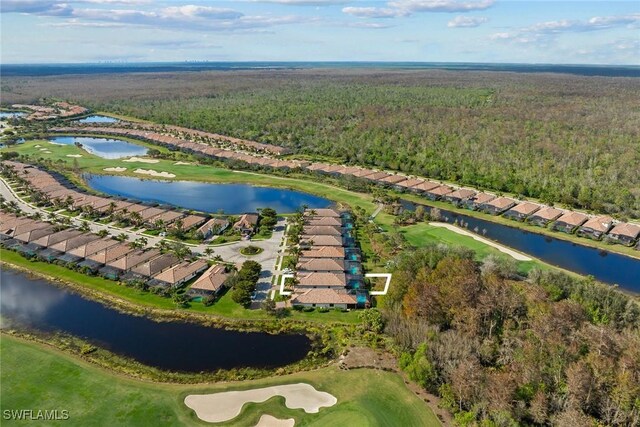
x=206 y=197
x=102 y=147
x=98 y=119
x=176 y=346
x=11 y=114
x=607 y=267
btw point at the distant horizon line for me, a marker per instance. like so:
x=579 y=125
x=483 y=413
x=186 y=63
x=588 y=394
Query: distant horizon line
x=315 y=62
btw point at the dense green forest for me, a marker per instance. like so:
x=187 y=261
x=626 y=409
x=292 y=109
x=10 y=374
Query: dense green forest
x=552 y=350
x=563 y=139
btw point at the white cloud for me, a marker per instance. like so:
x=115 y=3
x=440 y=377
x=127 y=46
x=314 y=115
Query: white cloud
x=373 y=12
x=184 y=17
x=447 y=6
x=467 y=21
x=370 y=25
x=544 y=30
x=304 y=2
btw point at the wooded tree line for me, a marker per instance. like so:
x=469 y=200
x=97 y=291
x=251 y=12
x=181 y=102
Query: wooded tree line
x=562 y=139
x=552 y=350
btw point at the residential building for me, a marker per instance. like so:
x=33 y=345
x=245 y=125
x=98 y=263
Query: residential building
x=624 y=233
x=247 y=224
x=522 y=211
x=179 y=274
x=321 y=280
x=498 y=205
x=596 y=227
x=570 y=221
x=211 y=282
x=327 y=298
x=320 y=265
x=545 y=215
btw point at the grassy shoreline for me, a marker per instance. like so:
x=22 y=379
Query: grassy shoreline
x=224 y=311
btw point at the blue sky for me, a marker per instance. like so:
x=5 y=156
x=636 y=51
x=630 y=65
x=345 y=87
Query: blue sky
x=576 y=32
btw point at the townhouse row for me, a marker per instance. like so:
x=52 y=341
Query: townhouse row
x=107 y=257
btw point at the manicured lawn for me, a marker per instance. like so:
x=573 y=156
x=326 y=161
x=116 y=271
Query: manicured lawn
x=224 y=307
x=38 y=377
x=423 y=234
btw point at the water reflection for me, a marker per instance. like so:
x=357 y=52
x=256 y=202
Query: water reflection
x=102 y=147
x=177 y=346
x=230 y=198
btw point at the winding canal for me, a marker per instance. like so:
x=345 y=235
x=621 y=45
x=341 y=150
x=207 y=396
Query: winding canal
x=607 y=267
x=176 y=346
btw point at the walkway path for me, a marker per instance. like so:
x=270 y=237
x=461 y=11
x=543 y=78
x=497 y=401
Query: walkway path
x=517 y=255
x=377 y=211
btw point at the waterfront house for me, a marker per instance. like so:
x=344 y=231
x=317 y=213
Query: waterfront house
x=393 y=180
x=314 y=240
x=149 y=214
x=191 y=221
x=348 y=170
x=324 y=221
x=115 y=268
x=323 y=212
x=320 y=265
x=8 y=228
x=498 y=205
x=34 y=232
x=213 y=227
x=75 y=242
x=363 y=173
x=596 y=227
x=321 y=280
x=377 y=176
x=179 y=274
x=459 y=196
x=544 y=216
x=522 y=211
x=326 y=298
x=166 y=218
x=61 y=236
x=322 y=230
x=324 y=252
x=427 y=187
x=247 y=224
x=624 y=233
x=570 y=221
x=84 y=250
x=105 y=256
x=438 y=192
x=477 y=201
x=409 y=183
x=211 y=282
x=151 y=267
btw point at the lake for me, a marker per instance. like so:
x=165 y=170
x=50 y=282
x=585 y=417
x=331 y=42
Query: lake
x=607 y=267
x=177 y=346
x=206 y=197
x=11 y=114
x=98 y=119
x=106 y=148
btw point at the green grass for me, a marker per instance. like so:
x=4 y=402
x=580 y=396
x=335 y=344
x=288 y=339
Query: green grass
x=224 y=307
x=422 y=234
x=37 y=377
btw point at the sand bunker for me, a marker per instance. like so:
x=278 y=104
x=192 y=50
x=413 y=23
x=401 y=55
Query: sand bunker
x=47 y=152
x=269 y=421
x=151 y=172
x=138 y=159
x=182 y=163
x=74 y=155
x=118 y=169
x=219 y=407
x=37 y=146
x=43 y=149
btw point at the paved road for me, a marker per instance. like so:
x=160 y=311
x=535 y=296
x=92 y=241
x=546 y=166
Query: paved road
x=229 y=252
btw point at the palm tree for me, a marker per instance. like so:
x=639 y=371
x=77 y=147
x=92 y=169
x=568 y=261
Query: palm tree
x=111 y=208
x=136 y=218
x=208 y=252
x=122 y=237
x=103 y=233
x=84 y=227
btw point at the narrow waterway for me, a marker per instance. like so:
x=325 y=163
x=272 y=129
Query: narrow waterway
x=176 y=346
x=607 y=267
